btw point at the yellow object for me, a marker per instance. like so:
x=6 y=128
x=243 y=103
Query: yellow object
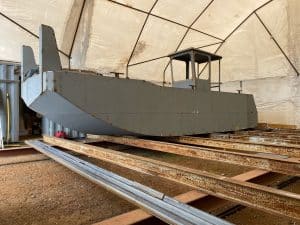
x=7 y=118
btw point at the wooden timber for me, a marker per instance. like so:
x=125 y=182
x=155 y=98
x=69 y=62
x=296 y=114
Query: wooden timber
x=256 y=196
x=280 y=164
x=291 y=151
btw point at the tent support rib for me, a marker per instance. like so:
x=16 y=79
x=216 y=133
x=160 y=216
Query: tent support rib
x=165 y=19
x=138 y=38
x=164 y=56
x=236 y=28
x=277 y=44
x=76 y=30
x=27 y=30
x=188 y=29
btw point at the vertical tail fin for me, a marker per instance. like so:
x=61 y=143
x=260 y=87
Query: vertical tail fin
x=28 y=65
x=49 y=56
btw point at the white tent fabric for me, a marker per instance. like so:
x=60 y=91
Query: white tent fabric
x=258 y=39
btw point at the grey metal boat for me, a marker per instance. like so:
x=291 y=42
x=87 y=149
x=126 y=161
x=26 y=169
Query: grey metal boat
x=98 y=104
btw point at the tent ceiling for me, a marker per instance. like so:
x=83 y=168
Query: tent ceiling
x=257 y=38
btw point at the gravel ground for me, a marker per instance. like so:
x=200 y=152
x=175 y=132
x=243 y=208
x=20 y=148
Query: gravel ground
x=44 y=192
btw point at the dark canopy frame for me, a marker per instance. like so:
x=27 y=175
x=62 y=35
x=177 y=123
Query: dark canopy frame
x=219 y=42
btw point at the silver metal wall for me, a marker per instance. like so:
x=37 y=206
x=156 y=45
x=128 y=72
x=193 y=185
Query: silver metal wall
x=9 y=99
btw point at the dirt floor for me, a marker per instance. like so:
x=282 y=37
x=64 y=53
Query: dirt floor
x=43 y=192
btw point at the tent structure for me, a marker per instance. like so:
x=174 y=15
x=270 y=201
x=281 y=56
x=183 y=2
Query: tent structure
x=258 y=39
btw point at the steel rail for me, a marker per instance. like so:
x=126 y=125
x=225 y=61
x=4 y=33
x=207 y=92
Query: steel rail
x=163 y=207
x=280 y=164
x=138 y=215
x=238 y=145
x=268 y=199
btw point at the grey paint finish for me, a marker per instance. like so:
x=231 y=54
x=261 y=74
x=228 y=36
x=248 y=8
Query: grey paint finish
x=48 y=46
x=104 y=105
x=58 y=109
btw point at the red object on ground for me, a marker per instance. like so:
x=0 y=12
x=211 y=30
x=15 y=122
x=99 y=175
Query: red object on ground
x=60 y=134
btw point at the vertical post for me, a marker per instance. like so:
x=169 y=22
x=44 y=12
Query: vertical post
x=69 y=62
x=3 y=91
x=193 y=68
x=187 y=70
x=219 y=75
x=209 y=70
x=171 y=67
x=127 y=72
x=241 y=87
x=14 y=74
x=197 y=72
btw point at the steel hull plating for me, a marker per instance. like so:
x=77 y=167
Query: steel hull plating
x=106 y=105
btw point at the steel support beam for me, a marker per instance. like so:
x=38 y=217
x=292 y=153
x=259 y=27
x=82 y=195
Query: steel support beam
x=238 y=145
x=279 y=164
x=256 y=196
x=163 y=207
x=138 y=215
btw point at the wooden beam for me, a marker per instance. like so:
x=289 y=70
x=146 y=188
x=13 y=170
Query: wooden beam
x=276 y=126
x=238 y=145
x=267 y=134
x=138 y=215
x=253 y=195
x=280 y=164
x=271 y=140
x=279 y=132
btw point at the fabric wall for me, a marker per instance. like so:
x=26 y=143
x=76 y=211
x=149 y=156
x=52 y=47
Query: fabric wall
x=114 y=33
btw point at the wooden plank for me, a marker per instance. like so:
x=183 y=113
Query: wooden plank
x=290 y=151
x=253 y=195
x=284 y=136
x=18 y=148
x=270 y=140
x=280 y=131
x=138 y=215
x=276 y=126
x=279 y=164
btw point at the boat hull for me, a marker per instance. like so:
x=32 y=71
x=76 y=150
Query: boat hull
x=106 y=105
